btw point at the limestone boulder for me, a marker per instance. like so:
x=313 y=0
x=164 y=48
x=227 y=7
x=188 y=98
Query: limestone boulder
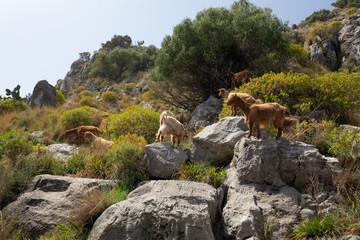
x=62 y=151
x=165 y=209
x=263 y=187
x=279 y=163
x=205 y=114
x=162 y=160
x=50 y=199
x=215 y=143
x=44 y=94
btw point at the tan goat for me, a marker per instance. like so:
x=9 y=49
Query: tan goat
x=79 y=132
x=247 y=97
x=261 y=115
x=98 y=141
x=240 y=78
x=170 y=126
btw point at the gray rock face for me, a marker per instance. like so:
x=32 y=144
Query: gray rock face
x=162 y=210
x=43 y=94
x=279 y=163
x=349 y=39
x=205 y=114
x=50 y=199
x=215 y=143
x=162 y=160
x=325 y=52
x=62 y=150
x=262 y=188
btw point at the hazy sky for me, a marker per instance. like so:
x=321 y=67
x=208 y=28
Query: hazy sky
x=39 y=39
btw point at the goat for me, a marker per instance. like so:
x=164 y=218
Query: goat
x=79 y=131
x=170 y=126
x=261 y=115
x=292 y=120
x=247 y=97
x=240 y=78
x=99 y=141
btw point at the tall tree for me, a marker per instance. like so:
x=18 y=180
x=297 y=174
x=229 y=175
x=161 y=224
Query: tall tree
x=193 y=61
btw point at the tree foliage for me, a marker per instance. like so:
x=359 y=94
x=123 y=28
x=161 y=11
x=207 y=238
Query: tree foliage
x=346 y=3
x=193 y=62
x=119 y=58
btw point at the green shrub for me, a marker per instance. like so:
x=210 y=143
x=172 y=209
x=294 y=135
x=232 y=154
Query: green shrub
x=325 y=31
x=200 y=172
x=65 y=232
x=109 y=96
x=11 y=105
x=335 y=92
x=89 y=101
x=316 y=227
x=125 y=157
x=135 y=119
x=14 y=178
x=86 y=93
x=14 y=145
x=76 y=117
x=60 y=99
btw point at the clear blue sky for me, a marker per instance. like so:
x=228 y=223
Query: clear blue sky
x=39 y=39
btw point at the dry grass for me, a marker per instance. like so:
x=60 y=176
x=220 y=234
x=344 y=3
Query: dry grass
x=6 y=226
x=93 y=203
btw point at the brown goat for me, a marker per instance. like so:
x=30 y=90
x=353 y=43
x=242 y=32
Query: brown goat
x=240 y=78
x=170 y=126
x=261 y=115
x=247 y=97
x=99 y=141
x=292 y=120
x=79 y=132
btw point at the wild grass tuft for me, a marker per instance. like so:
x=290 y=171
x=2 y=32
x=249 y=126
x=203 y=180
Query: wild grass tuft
x=201 y=172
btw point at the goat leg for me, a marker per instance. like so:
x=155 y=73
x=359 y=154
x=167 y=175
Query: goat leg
x=258 y=131
x=279 y=133
x=250 y=126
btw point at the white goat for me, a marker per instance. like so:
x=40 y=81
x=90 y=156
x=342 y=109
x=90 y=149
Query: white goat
x=99 y=141
x=170 y=126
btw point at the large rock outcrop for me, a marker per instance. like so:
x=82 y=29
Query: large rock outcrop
x=264 y=183
x=349 y=39
x=44 y=94
x=50 y=199
x=162 y=160
x=205 y=114
x=215 y=143
x=163 y=210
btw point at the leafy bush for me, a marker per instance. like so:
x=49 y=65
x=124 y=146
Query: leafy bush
x=10 y=105
x=86 y=93
x=60 y=99
x=200 y=172
x=126 y=157
x=335 y=92
x=89 y=101
x=109 y=96
x=14 y=145
x=325 y=31
x=135 y=119
x=76 y=117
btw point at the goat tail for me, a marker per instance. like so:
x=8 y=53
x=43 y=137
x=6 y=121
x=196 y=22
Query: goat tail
x=162 y=117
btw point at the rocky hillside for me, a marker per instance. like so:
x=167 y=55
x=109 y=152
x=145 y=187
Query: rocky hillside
x=270 y=186
x=332 y=37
